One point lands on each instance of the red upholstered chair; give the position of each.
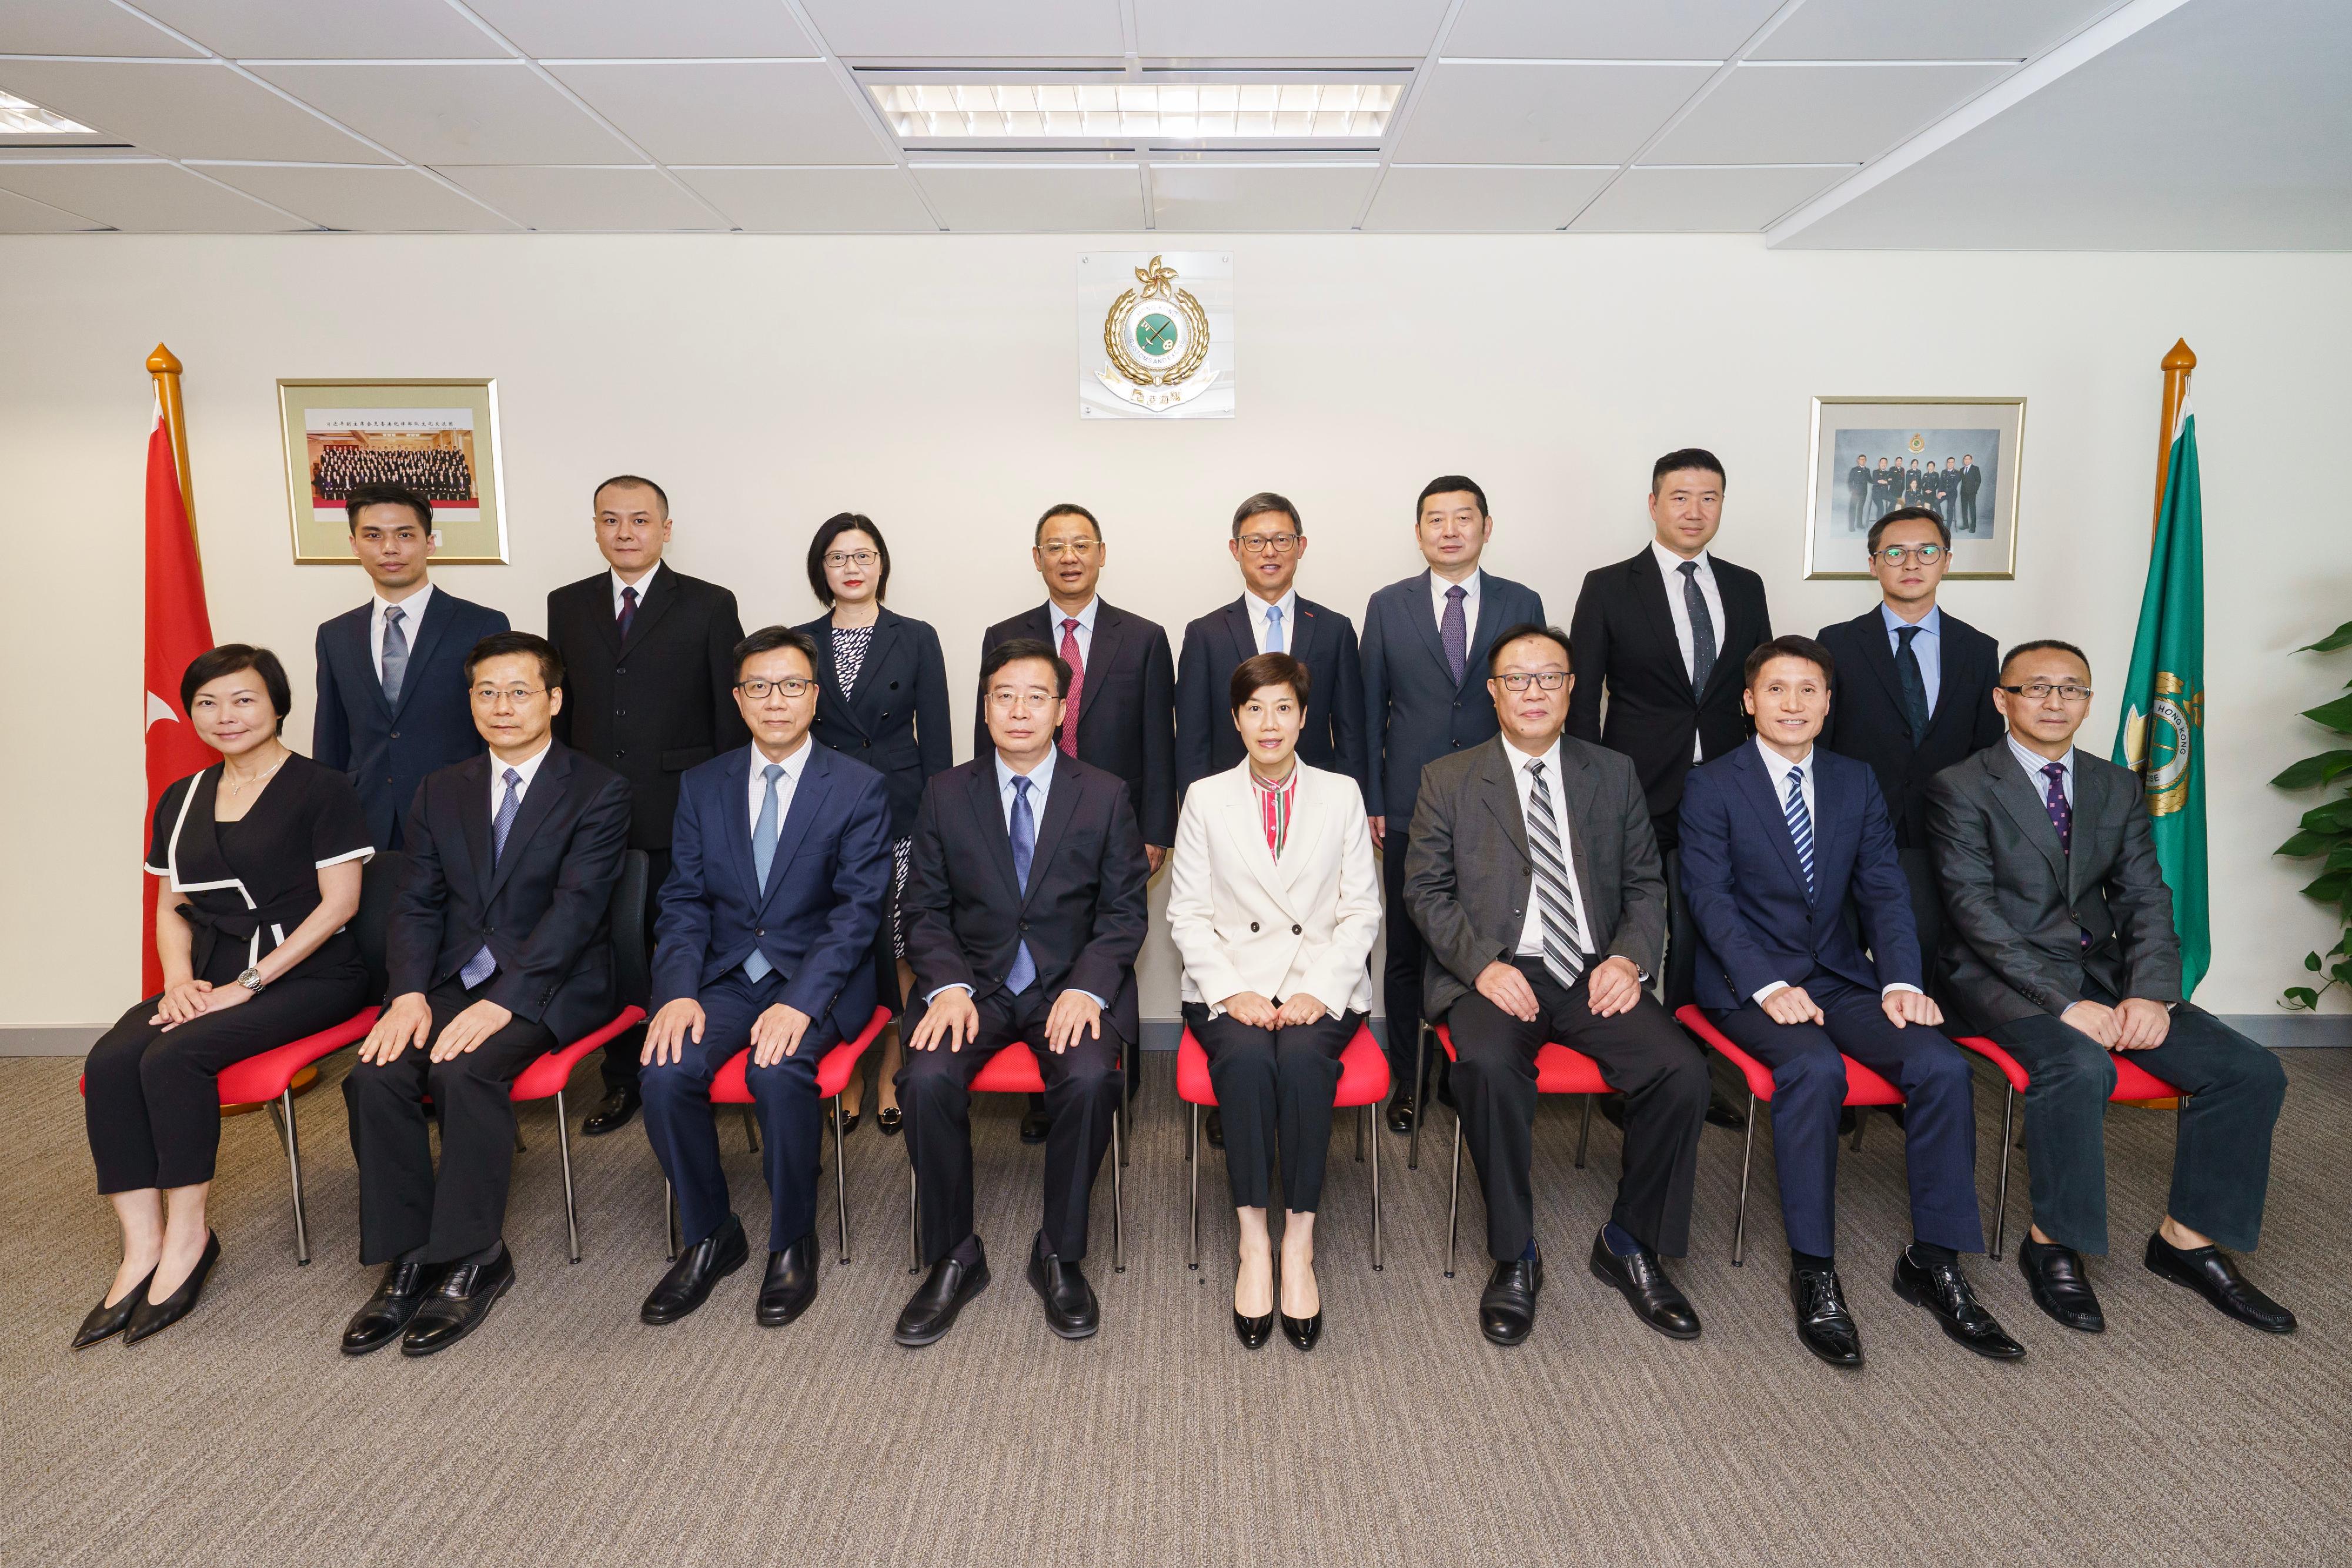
(1558, 1071)
(1864, 1089)
(2133, 1081)
(1363, 1084)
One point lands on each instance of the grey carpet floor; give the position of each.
(565, 1431)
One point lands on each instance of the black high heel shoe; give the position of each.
(1254, 1331)
(153, 1317)
(1303, 1332)
(105, 1322)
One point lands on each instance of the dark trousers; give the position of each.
(151, 1099)
(1968, 519)
(1081, 1089)
(1856, 500)
(1274, 1088)
(1939, 1121)
(1642, 1054)
(404, 1208)
(684, 1131)
(1682, 936)
(1401, 971)
(2221, 1159)
(621, 1052)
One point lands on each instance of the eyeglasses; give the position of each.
(487, 697)
(1258, 544)
(1011, 698)
(793, 688)
(839, 559)
(1081, 548)
(2037, 691)
(1550, 680)
(1903, 555)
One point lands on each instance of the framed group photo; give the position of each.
(440, 438)
(1960, 457)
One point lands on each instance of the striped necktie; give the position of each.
(1563, 934)
(1800, 827)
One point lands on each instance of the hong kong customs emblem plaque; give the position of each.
(1156, 336)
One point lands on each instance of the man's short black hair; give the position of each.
(635, 481)
(1524, 628)
(1448, 485)
(1682, 457)
(768, 639)
(1264, 504)
(365, 495)
(2041, 645)
(1788, 646)
(497, 644)
(1909, 515)
(1262, 670)
(1015, 649)
(228, 660)
(1065, 510)
(831, 528)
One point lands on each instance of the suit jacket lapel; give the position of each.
(1247, 830)
(1650, 592)
(438, 613)
(1310, 820)
(1241, 637)
(1577, 785)
(653, 603)
(1957, 676)
(877, 653)
(1417, 610)
(1061, 803)
(1501, 794)
(808, 799)
(363, 661)
(1766, 803)
(735, 821)
(988, 822)
(2091, 807)
(1881, 658)
(599, 600)
(1737, 632)
(1301, 637)
(1110, 627)
(2017, 798)
(474, 820)
(537, 802)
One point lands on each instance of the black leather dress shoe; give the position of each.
(791, 1284)
(456, 1307)
(153, 1317)
(397, 1296)
(931, 1311)
(1507, 1308)
(1070, 1307)
(1945, 1292)
(1400, 1114)
(105, 1322)
(1642, 1279)
(1254, 1331)
(1824, 1326)
(2210, 1272)
(698, 1267)
(614, 1115)
(1722, 1113)
(2055, 1275)
(1213, 1128)
(1036, 1123)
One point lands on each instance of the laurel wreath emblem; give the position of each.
(1157, 281)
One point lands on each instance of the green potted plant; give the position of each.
(2325, 832)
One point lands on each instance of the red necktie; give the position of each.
(1078, 684)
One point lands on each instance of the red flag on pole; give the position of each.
(178, 629)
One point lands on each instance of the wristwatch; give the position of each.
(251, 979)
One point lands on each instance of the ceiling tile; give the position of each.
(196, 109)
(364, 200)
(814, 201)
(1606, 29)
(1818, 114)
(23, 216)
(84, 27)
(1927, 29)
(143, 197)
(1453, 199)
(588, 201)
(1293, 29)
(1290, 198)
(737, 112)
(499, 112)
(1542, 113)
(1035, 198)
(960, 30)
(305, 29)
(1704, 201)
(633, 30)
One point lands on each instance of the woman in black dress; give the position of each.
(259, 859)
(882, 698)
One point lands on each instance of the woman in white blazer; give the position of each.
(1274, 901)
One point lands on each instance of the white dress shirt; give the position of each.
(643, 585)
(1671, 565)
(412, 616)
(2033, 762)
(1523, 778)
(1056, 615)
(1778, 768)
(527, 770)
(793, 766)
(1041, 784)
(1259, 610)
(1927, 647)
(1469, 587)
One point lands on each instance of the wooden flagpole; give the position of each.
(2176, 365)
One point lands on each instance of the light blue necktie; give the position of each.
(1024, 847)
(395, 654)
(1800, 828)
(477, 968)
(1274, 629)
(763, 855)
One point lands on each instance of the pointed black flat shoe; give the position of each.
(1303, 1332)
(889, 1119)
(153, 1317)
(104, 1321)
(1254, 1331)
(849, 1122)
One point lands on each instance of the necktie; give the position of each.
(1800, 827)
(1563, 934)
(1702, 628)
(1454, 633)
(2062, 815)
(763, 856)
(1274, 628)
(1024, 847)
(477, 968)
(628, 616)
(1077, 687)
(395, 653)
(1914, 684)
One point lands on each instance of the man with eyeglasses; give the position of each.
(2059, 944)
(1915, 695)
(498, 949)
(780, 857)
(648, 659)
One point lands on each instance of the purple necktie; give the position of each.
(628, 612)
(1453, 635)
(2062, 815)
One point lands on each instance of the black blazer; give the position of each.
(386, 751)
(1414, 710)
(1088, 904)
(656, 707)
(1217, 644)
(1866, 720)
(1126, 710)
(895, 720)
(1622, 642)
(541, 907)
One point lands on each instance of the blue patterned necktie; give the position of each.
(1454, 632)
(1274, 629)
(395, 654)
(1914, 684)
(1025, 848)
(763, 856)
(477, 968)
(1800, 827)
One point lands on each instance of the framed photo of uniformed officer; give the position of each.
(1960, 457)
(439, 438)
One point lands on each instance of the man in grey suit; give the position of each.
(1534, 877)
(2059, 944)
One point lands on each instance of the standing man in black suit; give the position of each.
(392, 676)
(1121, 713)
(1971, 481)
(649, 655)
(1857, 489)
(1915, 695)
(1425, 645)
(1947, 490)
(1882, 491)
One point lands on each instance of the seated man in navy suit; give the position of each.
(1777, 838)
(779, 857)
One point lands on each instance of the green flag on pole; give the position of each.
(2162, 737)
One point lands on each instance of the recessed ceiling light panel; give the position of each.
(1094, 112)
(18, 118)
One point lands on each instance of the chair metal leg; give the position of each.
(1118, 1201)
(1746, 1159)
(294, 1173)
(669, 1219)
(1420, 1066)
(1583, 1132)
(1861, 1120)
(2000, 1196)
(840, 1180)
(914, 1223)
(1192, 1148)
(571, 1205)
(1454, 1202)
(750, 1129)
(1359, 1140)
(1363, 1126)
(1122, 1123)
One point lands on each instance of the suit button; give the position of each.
(1024, 925)
(1294, 931)
(865, 745)
(616, 756)
(620, 669)
(490, 930)
(761, 932)
(1253, 924)
(396, 735)
(620, 713)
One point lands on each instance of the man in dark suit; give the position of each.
(392, 677)
(499, 950)
(648, 659)
(1535, 881)
(1425, 645)
(1947, 490)
(1917, 696)
(1121, 716)
(1971, 481)
(1857, 490)
(1915, 493)
(1782, 842)
(782, 857)
(2060, 944)
(1027, 909)
(1882, 490)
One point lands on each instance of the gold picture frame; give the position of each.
(440, 437)
(1980, 511)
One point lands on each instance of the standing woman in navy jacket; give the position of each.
(881, 699)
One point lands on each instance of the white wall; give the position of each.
(769, 382)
